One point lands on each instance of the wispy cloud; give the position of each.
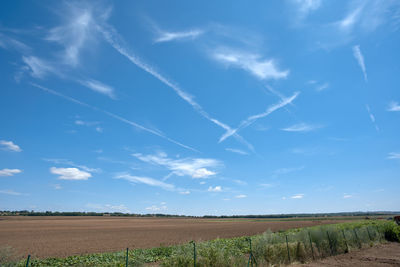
(157, 208)
(9, 146)
(393, 106)
(264, 69)
(250, 120)
(6, 42)
(108, 208)
(165, 36)
(70, 163)
(99, 87)
(297, 196)
(306, 6)
(347, 196)
(147, 181)
(394, 155)
(11, 192)
(112, 115)
(237, 151)
(282, 171)
(322, 87)
(94, 124)
(116, 41)
(241, 196)
(348, 22)
(76, 30)
(39, 68)
(194, 167)
(70, 173)
(302, 127)
(9, 172)
(372, 117)
(217, 188)
(360, 59)
(186, 192)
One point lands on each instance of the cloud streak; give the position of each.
(165, 36)
(146, 180)
(194, 167)
(9, 172)
(372, 118)
(360, 59)
(9, 146)
(250, 120)
(99, 88)
(393, 106)
(301, 127)
(263, 69)
(110, 114)
(70, 173)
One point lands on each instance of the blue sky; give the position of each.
(200, 108)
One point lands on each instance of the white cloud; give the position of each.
(372, 118)
(348, 22)
(38, 68)
(112, 115)
(187, 192)
(202, 182)
(7, 42)
(394, 155)
(108, 208)
(322, 87)
(10, 146)
(57, 186)
(99, 87)
(250, 120)
(70, 163)
(307, 6)
(347, 196)
(264, 69)
(240, 182)
(9, 172)
(241, 196)
(237, 151)
(70, 173)
(393, 106)
(77, 30)
(194, 167)
(215, 189)
(146, 180)
(266, 185)
(301, 127)
(157, 208)
(360, 59)
(10, 192)
(297, 196)
(283, 171)
(165, 36)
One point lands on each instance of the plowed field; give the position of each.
(64, 236)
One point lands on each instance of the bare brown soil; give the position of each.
(381, 255)
(65, 236)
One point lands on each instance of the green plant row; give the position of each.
(303, 245)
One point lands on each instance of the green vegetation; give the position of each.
(303, 245)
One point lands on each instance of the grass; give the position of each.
(269, 248)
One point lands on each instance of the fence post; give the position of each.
(27, 260)
(369, 235)
(345, 242)
(330, 243)
(251, 256)
(312, 249)
(127, 257)
(358, 240)
(194, 253)
(287, 246)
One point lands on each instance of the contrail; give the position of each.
(112, 115)
(114, 39)
(250, 120)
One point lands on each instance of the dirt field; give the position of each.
(382, 255)
(65, 236)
